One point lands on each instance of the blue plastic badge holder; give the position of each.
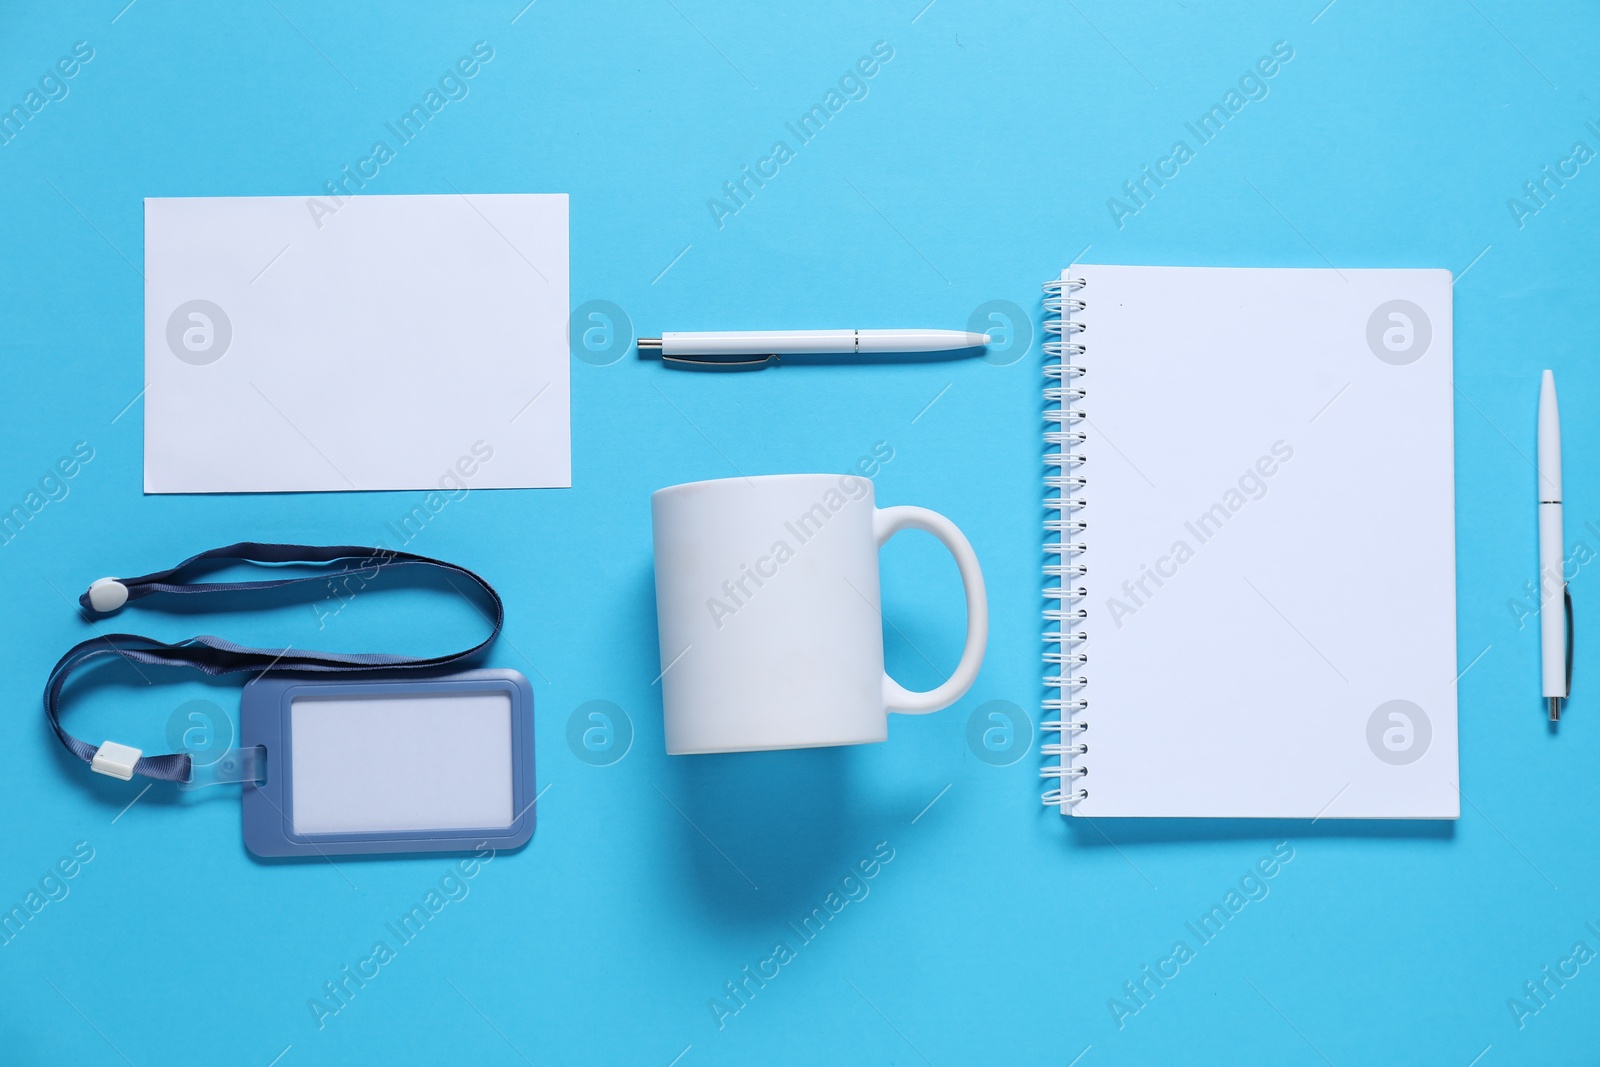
(383, 763)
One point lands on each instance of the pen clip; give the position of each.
(700, 361)
(1566, 595)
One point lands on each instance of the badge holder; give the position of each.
(341, 753)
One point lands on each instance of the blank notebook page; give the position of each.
(1270, 543)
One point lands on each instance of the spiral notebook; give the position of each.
(1250, 547)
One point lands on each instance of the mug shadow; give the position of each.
(766, 836)
(758, 838)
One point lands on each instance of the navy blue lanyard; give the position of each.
(213, 655)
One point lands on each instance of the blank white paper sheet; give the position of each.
(293, 344)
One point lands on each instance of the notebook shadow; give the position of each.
(1114, 832)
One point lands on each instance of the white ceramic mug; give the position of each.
(768, 603)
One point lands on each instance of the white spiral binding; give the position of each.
(1064, 657)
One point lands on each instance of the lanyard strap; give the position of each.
(213, 655)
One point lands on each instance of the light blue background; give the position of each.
(979, 164)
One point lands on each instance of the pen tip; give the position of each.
(977, 340)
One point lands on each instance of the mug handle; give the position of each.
(886, 522)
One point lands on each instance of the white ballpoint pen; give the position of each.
(1555, 605)
(694, 347)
